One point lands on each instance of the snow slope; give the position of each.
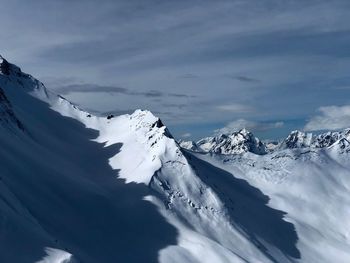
(312, 186)
(80, 188)
(59, 192)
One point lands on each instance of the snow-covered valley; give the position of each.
(75, 187)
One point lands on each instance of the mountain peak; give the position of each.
(233, 143)
(244, 131)
(297, 139)
(7, 68)
(4, 66)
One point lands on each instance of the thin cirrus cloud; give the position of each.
(94, 88)
(330, 118)
(242, 78)
(235, 108)
(246, 79)
(63, 90)
(249, 125)
(188, 76)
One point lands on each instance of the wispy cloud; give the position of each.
(151, 93)
(95, 88)
(186, 135)
(242, 78)
(235, 107)
(330, 118)
(246, 79)
(188, 76)
(89, 88)
(181, 95)
(175, 105)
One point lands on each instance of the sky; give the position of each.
(202, 66)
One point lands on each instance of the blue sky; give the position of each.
(202, 66)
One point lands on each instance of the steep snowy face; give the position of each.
(145, 140)
(234, 143)
(341, 146)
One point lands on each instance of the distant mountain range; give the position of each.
(244, 141)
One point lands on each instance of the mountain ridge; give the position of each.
(223, 144)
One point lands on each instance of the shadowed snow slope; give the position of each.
(75, 187)
(59, 191)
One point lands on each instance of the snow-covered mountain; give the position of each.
(297, 139)
(244, 141)
(75, 187)
(234, 143)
